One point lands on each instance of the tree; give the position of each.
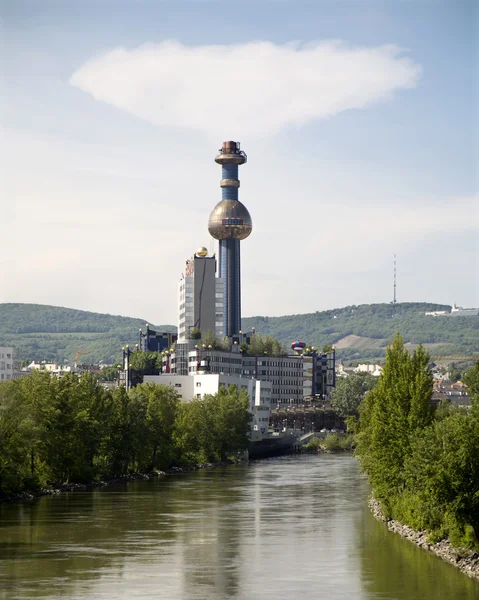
(349, 393)
(214, 427)
(144, 363)
(442, 475)
(471, 379)
(231, 418)
(398, 407)
(162, 404)
(260, 345)
(15, 439)
(110, 373)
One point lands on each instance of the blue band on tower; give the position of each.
(229, 172)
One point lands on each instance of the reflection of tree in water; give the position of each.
(57, 544)
(211, 535)
(397, 569)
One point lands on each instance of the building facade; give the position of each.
(294, 379)
(6, 363)
(200, 297)
(156, 341)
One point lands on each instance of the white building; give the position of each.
(459, 311)
(374, 370)
(6, 363)
(200, 297)
(52, 368)
(198, 385)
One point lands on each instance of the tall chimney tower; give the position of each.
(230, 222)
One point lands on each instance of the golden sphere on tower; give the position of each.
(202, 251)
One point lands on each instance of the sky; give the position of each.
(359, 119)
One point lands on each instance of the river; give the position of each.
(278, 529)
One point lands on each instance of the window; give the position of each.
(198, 384)
(198, 395)
(177, 384)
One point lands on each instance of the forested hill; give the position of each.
(40, 332)
(361, 332)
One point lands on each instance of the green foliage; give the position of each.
(74, 430)
(145, 363)
(349, 393)
(260, 345)
(110, 373)
(214, 427)
(39, 332)
(423, 467)
(376, 323)
(194, 334)
(471, 379)
(314, 444)
(332, 443)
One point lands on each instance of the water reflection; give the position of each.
(397, 569)
(280, 529)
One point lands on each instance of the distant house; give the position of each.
(52, 368)
(455, 392)
(374, 370)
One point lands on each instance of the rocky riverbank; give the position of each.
(465, 560)
(78, 487)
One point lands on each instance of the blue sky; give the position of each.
(113, 112)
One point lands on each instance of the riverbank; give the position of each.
(79, 487)
(466, 561)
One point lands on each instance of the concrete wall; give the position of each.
(205, 294)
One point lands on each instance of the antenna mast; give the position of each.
(394, 297)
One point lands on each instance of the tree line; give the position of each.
(422, 461)
(74, 430)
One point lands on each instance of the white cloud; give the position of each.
(251, 89)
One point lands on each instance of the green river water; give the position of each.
(279, 529)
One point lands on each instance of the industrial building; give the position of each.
(209, 305)
(230, 222)
(294, 378)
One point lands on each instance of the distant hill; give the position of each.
(359, 332)
(362, 332)
(41, 332)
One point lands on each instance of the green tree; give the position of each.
(110, 373)
(16, 433)
(471, 379)
(126, 433)
(399, 405)
(161, 404)
(231, 418)
(442, 477)
(349, 393)
(145, 363)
